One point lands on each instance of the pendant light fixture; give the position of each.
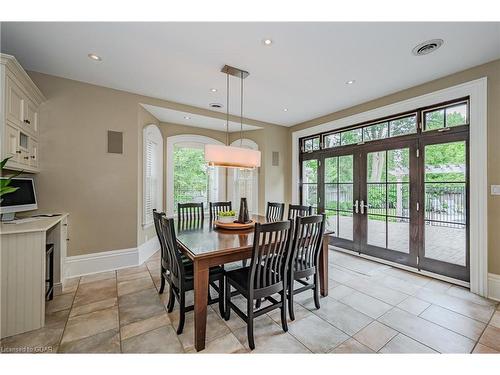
(226, 155)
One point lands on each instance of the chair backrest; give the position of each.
(270, 255)
(174, 264)
(295, 210)
(157, 220)
(307, 241)
(216, 207)
(190, 211)
(275, 211)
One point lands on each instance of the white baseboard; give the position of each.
(494, 286)
(87, 264)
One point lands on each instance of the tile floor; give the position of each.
(371, 308)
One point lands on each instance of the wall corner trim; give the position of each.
(494, 286)
(88, 264)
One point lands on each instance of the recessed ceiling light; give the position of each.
(285, 109)
(350, 82)
(187, 118)
(213, 90)
(267, 42)
(94, 57)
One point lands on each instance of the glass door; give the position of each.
(387, 222)
(444, 218)
(309, 186)
(339, 188)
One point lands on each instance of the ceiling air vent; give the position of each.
(427, 47)
(215, 105)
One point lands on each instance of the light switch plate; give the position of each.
(495, 189)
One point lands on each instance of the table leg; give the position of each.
(201, 274)
(323, 267)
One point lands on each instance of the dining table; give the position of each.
(208, 246)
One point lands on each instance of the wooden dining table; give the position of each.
(208, 246)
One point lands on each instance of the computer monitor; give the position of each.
(23, 199)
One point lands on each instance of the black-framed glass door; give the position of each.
(386, 204)
(396, 188)
(339, 188)
(444, 217)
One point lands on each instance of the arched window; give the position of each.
(152, 172)
(244, 182)
(189, 179)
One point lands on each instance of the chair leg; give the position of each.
(290, 301)
(316, 290)
(162, 285)
(284, 323)
(182, 312)
(258, 303)
(221, 296)
(171, 300)
(251, 342)
(227, 300)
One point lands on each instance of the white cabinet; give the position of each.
(11, 140)
(19, 120)
(33, 153)
(15, 103)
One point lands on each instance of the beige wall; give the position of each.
(78, 175)
(101, 191)
(490, 70)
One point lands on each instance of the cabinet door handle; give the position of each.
(27, 122)
(26, 157)
(18, 152)
(33, 156)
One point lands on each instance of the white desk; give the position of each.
(22, 271)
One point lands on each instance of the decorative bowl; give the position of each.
(226, 219)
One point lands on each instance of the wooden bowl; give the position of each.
(234, 226)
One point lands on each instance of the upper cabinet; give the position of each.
(20, 100)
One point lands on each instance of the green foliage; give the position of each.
(190, 175)
(5, 182)
(227, 213)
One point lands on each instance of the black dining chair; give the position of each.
(304, 261)
(190, 212)
(265, 276)
(178, 272)
(295, 210)
(216, 207)
(275, 211)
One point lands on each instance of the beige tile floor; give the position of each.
(370, 308)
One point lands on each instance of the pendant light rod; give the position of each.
(241, 111)
(227, 107)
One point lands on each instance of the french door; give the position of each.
(404, 201)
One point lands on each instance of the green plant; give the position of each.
(227, 213)
(5, 182)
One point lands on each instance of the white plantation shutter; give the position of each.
(153, 165)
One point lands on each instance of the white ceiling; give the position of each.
(304, 70)
(197, 121)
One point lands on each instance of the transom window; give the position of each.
(438, 118)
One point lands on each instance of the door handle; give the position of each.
(363, 206)
(356, 206)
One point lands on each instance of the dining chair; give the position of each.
(216, 207)
(304, 261)
(295, 210)
(265, 276)
(190, 211)
(275, 211)
(178, 272)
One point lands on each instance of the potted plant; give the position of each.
(226, 217)
(5, 182)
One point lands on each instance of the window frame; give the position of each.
(151, 133)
